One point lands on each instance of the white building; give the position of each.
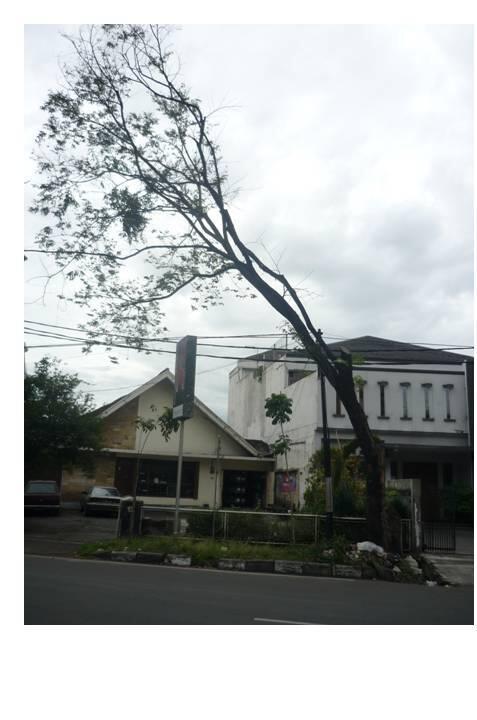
(417, 400)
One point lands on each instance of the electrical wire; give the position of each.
(262, 360)
(172, 340)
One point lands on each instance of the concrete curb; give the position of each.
(279, 567)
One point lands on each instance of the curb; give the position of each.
(279, 567)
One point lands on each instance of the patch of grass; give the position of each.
(206, 552)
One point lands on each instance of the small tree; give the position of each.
(166, 424)
(278, 407)
(59, 425)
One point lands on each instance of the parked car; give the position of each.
(42, 495)
(98, 500)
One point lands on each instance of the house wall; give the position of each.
(207, 480)
(249, 388)
(118, 430)
(75, 480)
(200, 433)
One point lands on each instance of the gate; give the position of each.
(438, 537)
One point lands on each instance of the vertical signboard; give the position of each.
(185, 378)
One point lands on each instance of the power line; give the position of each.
(149, 350)
(437, 346)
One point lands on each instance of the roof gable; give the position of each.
(167, 376)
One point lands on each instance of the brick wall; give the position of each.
(119, 430)
(75, 481)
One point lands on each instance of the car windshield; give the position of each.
(41, 487)
(104, 492)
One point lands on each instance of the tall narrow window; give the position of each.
(360, 391)
(338, 410)
(427, 387)
(447, 390)
(405, 387)
(382, 400)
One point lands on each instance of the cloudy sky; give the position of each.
(352, 146)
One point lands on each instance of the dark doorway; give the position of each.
(427, 472)
(243, 489)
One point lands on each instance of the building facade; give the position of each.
(418, 401)
(221, 469)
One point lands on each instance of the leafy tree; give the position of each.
(278, 407)
(348, 483)
(127, 148)
(59, 425)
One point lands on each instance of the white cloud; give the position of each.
(353, 149)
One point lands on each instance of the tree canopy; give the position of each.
(58, 420)
(131, 173)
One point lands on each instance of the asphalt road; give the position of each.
(64, 534)
(60, 591)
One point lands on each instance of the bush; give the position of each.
(349, 487)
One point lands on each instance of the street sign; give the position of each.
(186, 349)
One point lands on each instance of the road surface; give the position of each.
(60, 591)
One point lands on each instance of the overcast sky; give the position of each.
(352, 146)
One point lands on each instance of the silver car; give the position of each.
(99, 500)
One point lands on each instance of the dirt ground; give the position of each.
(63, 534)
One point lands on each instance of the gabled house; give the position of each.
(221, 468)
(418, 401)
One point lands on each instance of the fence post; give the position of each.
(316, 529)
(225, 525)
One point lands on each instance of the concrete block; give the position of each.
(346, 571)
(179, 560)
(260, 565)
(150, 557)
(289, 567)
(123, 556)
(231, 564)
(317, 569)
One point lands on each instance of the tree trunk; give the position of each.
(339, 374)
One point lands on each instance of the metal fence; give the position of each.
(250, 526)
(438, 537)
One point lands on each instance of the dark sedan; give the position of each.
(42, 496)
(98, 500)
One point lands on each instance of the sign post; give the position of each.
(183, 407)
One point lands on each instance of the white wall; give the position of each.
(247, 394)
(200, 433)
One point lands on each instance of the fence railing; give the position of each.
(438, 537)
(280, 528)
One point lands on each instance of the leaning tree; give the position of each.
(131, 175)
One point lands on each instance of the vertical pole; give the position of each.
(179, 478)
(217, 460)
(326, 461)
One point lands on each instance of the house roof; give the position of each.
(374, 349)
(167, 376)
(393, 351)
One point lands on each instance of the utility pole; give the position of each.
(326, 460)
(217, 461)
(179, 478)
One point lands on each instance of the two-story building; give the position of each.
(419, 401)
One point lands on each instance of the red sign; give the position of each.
(185, 377)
